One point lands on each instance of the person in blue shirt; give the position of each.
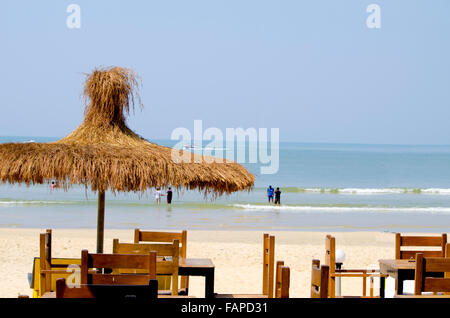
(270, 193)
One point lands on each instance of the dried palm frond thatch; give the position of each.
(104, 154)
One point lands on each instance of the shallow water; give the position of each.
(324, 187)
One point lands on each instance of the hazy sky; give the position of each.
(311, 68)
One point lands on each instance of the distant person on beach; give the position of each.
(169, 195)
(54, 185)
(158, 195)
(278, 196)
(270, 193)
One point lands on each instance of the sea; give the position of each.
(324, 187)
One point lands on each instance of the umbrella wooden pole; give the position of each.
(100, 221)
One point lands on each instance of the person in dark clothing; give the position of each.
(169, 196)
(277, 196)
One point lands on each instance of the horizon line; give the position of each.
(284, 141)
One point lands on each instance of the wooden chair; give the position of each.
(46, 269)
(426, 272)
(282, 280)
(117, 261)
(108, 292)
(45, 257)
(330, 260)
(167, 261)
(166, 237)
(438, 242)
(268, 272)
(319, 279)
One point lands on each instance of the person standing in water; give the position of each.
(158, 196)
(278, 196)
(169, 195)
(270, 193)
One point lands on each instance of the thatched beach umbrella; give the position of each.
(104, 154)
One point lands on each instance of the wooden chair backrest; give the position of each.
(282, 280)
(330, 261)
(164, 265)
(319, 279)
(268, 265)
(108, 292)
(162, 237)
(45, 256)
(165, 237)
(426, 268)
(114, 261)
(419, 241)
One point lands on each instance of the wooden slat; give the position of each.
(330, 260)
(315, 276)
(436, 264)
(148, 290)
(265, 282)
(159, 236)
(132, 248)
(118, 261)
(278, 278)
(418, 276)
(433, 284)
(271, 266)
(412, 254)
(397, 245)
(122, 279)
(319, 280)
(285, 282)
(421, 241)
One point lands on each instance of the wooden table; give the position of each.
(199, 267)
(400, 270)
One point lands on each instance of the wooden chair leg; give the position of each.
(371, 287)
(364, 286)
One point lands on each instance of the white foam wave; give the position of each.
(342, 209)
(369, 191)
(31, 202)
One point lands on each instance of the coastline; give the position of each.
(236, 255)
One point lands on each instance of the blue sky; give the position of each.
(311, 68)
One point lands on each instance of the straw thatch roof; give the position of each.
(103, 153)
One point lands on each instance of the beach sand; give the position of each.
(237, 256)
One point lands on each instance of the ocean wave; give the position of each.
(337, 209)
(33, 202)
(368, 191)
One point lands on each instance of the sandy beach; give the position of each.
(237, 256)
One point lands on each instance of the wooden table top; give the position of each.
(398, 263)
(196, 263)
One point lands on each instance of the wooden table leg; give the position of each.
(382, 286)
(209, 283)
(399, 283)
